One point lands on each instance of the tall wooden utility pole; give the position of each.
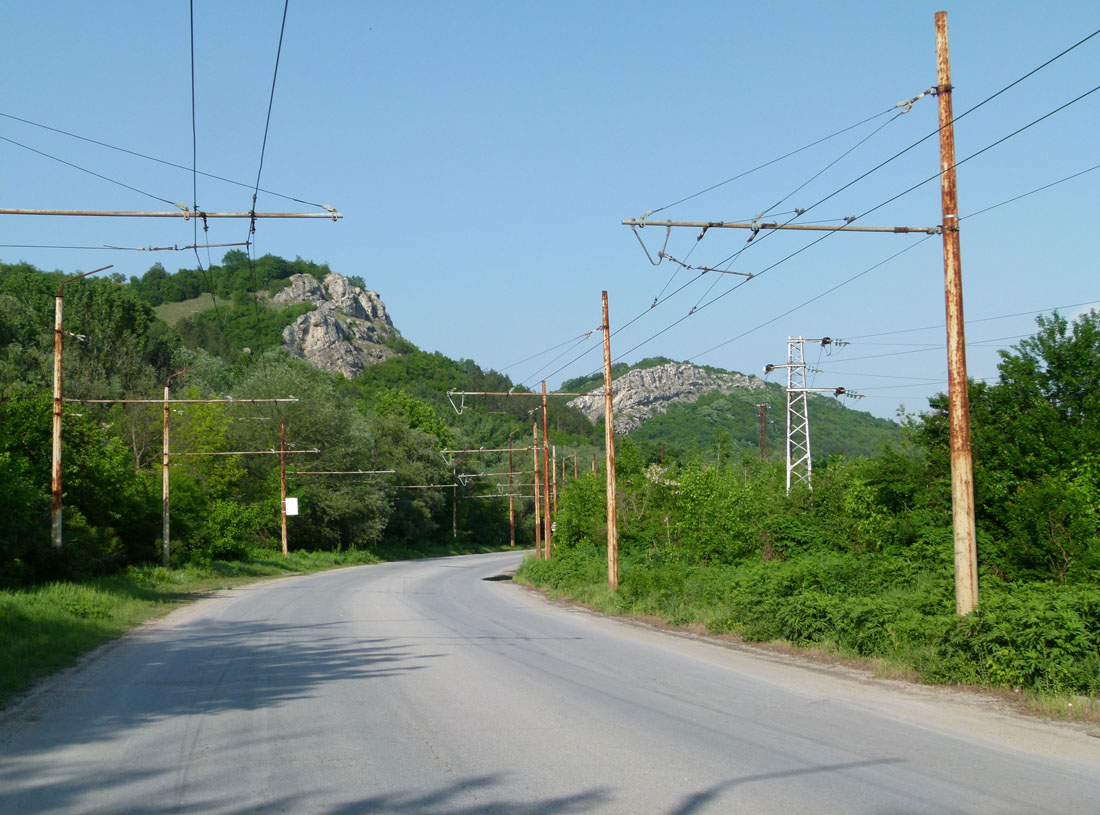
(55, 470)
(538, 512)
(547, 528)
(962, 465)
(609, 445)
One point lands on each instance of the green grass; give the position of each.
(46, 628)
(1037, 644)
(172, 313)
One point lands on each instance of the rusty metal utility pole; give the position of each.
(165, 500)
(609, 444)
(511, 498)
(554, 466)
(762, 413)
(538, 519)
(962, 466)
(282, 475)
(547, 527)
(55, 471)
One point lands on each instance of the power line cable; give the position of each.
(259, 172)
(981, 320)
(157, 160)
(958, 118)
(896, 254)
(841, 189)
(867, 212)
(771, 161)
(194, 189)
(92, 172)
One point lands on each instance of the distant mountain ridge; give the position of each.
(710, 412)
(646, 392)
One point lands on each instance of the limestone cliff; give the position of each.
(346, 332)
(640, 394)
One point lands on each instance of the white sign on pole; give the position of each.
(291, 506)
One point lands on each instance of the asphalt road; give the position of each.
(425, 687)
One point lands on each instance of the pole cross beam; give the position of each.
(757, 227)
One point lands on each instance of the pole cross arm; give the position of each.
(757, 227)
(186, 214)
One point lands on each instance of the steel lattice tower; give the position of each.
(799, 462)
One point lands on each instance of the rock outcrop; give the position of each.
(640, 394)
(346, 332)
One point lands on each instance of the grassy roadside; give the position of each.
(46, 628)
(713, 602)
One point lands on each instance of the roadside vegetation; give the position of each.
(863, 564)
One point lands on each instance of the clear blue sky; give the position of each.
(484, 154)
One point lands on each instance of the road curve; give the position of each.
(426, 687)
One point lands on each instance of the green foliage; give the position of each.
(235, 275)
(417, 412)
(1034, 435)
(229, 531)
(246, 324)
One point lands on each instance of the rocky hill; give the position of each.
(347, 330)
(643, 393)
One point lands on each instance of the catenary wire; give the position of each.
(836, 192)
(157, 160)
(897, 254)
(194, 188)
(259, 172)
(867, 212)
(772, 161)
(92, 172)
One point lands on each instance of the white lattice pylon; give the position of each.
(799, 462)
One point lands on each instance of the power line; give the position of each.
(938, 129)
(895, 255)
(1002, 140)
(981, 320)
(194, 189)
(93, 173)
(157, 160)
(770, 162)
(546, 351)
(698, 307)
(259, 171)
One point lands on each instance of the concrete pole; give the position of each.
(511, 499)
(55, 472)
(55, 466)
(962, 466)
(546, 530)
(538, 519)
(282, 481)
(609, 444)
(165, 548)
